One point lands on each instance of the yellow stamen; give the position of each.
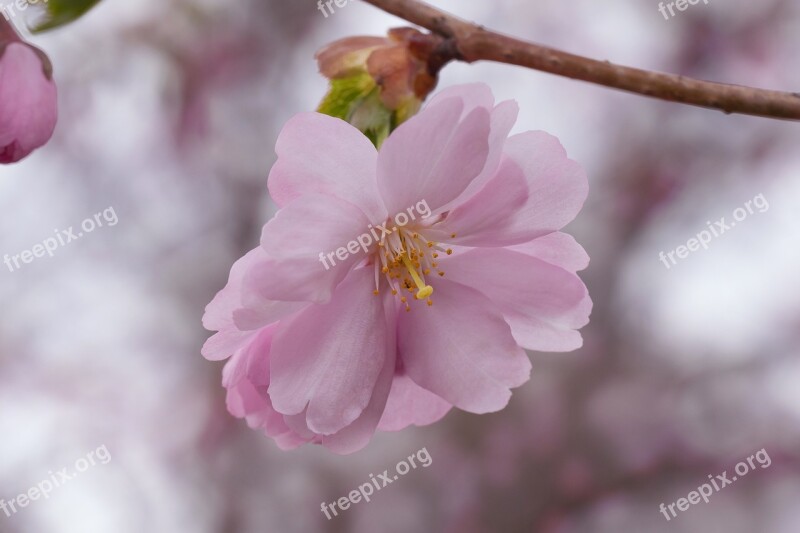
(424, 290)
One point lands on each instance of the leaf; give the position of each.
(61, 12)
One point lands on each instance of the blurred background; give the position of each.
(169, 114)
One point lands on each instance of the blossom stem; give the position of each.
(470, 42)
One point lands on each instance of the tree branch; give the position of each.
(469, 42)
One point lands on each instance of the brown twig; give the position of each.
(469, 42)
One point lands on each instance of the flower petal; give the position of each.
(411, 404)
(358, 434)
(543, 303)
(487, 219)
(228, 303)
(219, 312)
(433, 157)
(503, 117)
(461, 349)
(347, 56)
(329, 356)
(325, 155)
(556, 190)
(472, 95)
(557, 185)
(246, 377)
(301, 241)
(259, 312)
(223, 344)
(28, 102)
(556, 248)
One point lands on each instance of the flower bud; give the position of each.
(377, 82)
(28, 103)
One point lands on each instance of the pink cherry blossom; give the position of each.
(438, 313)
(28, 107)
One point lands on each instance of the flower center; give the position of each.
(405, 257)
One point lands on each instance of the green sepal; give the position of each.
(345, 94)
(357, 99)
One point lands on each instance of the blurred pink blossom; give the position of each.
(436, 312)
(28, 104)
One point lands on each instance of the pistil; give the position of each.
(423, 290)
